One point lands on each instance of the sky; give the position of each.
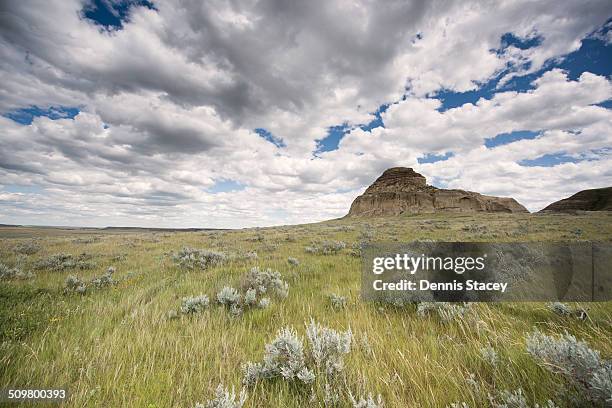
(230, 114)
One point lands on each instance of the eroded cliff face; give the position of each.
(401, 190)
(597, 199)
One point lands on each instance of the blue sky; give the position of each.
(120, 112)
(111, 15)
(24, 116)
(594, 56)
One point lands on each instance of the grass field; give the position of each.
(118, 347)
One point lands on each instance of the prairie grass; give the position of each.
(117, 347)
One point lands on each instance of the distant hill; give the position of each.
(94, 229)
(401, 190)
(596, 199)
(161, 229)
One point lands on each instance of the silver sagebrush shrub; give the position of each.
(311, 249)
(27, 248)
(194, 304)
(250, 297)
(250, 256)
(355, 249)
(225, 399)
(105, 280)
(266, 281)
(337, 301)
(332, 247)
(489, 355)
(57, 262)
(256, 283)
(331, 396)
(293, 261)
(445, 310)
(228, 296)
(600, 383)
(284, 358)
(7, 273)
(74, 284)
(516, 399)
(576, 361)
(325, 248)
(565, 310)
(368, 402)
(235, 310)
(560, 308)
(190, 258)
(328, 347)
(63, 261)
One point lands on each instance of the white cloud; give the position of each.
(169, 104)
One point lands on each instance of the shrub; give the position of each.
(63, 261)
(190, 258)
(27, 248)
(328, 347)
(446, 311)
(228, 296)
(565, 310)
(250, 297)
(284, 357)
(516, 399)
(256, 283)
(489, 355)
(267, 281)
(57, 262)
(366, 234)
(560, 308)
(250, 256)
(7, 273)
(601, 383)
(256, 238)
(73, 284)
(332, 247)
(225, 399)
(337, 301)
(236, 310)
(331, 396)
(355, 249)
(293, 261)
(365, 345)
(368, 402)
(119, 258)
(105, 280)
(86, 240)
(580, 365)
(82, 265)
(311, 250)
(194, 304)
(325, 248)
(263, 303)
(269, 247)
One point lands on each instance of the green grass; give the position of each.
(115, 347)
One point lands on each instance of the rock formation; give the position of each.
(401, 190)
(597, 199)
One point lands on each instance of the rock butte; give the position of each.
(401, 190)
(597, 199)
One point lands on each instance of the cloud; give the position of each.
(170, 102)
